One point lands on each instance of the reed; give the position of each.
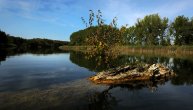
(164, 51)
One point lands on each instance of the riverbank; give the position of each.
(162, 51)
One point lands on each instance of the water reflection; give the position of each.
(5, 53)
(102, 101)
(184, 70)
(21, 71)
(182, 67)
(84, 95)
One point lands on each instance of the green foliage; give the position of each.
(182, 29)
(151, 30)
(79, 37)
(3, 38)
(129, 35)
(103, 37)
(18, 42)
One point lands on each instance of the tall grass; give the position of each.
(167, 51)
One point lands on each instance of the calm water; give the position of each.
(59, 81)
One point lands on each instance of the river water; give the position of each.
(59, 80)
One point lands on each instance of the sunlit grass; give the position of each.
(166, 51)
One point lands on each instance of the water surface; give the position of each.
(59, 81)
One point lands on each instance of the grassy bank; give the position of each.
(166, 51)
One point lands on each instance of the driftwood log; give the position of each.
(127, 74)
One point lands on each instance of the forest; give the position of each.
(7, 41)
(152, 30)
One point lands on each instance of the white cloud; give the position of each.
(45, 11)
(19, 5)
(127, 11)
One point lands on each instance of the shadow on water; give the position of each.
(106, 101)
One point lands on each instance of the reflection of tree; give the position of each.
(101, 101)
(4, 53)
(184, 70)
(182, 67)
(81, 60)
(98, 63)
(2, 56)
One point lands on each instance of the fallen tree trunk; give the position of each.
(128, 74)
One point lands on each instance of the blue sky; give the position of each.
(57, 19)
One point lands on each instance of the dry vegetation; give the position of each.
(166, 51)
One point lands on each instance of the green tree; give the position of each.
(129, 36)
(151, 30)
(3, 38)
(139, 32)
(182, 30)
(80, 37)
(105, 37)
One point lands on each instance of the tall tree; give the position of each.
(105, 36)
(129, 36)
(3, 38)
(182, 30)
(151, 29)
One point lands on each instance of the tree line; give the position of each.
(7, 41)
(151, 30)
